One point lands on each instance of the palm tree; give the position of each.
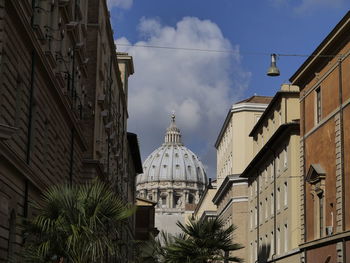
(203, 241)
(78, 224)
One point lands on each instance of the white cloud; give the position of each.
(125, 4)
(199, 86)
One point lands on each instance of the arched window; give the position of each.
(190, 199)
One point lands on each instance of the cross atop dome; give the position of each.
(173, 134)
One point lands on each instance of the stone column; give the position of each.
(196, 199)
(155, 195)
(186, 196)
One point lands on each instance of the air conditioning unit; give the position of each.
(329, 230)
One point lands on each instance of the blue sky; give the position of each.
(201, 86)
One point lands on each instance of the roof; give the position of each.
(270, 107)
(279, 133)
(135, 151)
(257, 99)
(328, 47)
(144, 202)
(247, 105)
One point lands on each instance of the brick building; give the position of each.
(63, 107)
(324, 81)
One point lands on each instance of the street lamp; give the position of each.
(273, 71)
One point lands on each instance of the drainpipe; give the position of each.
(258, 213)
(342, 137)
(109, 113)
(342, 150)
(304, 185)
(29, 131)
(30, 115)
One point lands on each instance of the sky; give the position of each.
(218, 53)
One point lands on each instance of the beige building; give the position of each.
(234, 152)
(274, 182)
(205, 208)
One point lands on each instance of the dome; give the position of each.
(172, 162)
(174, 178)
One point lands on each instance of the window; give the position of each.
(255, 250)
(163, 200)
(272, 242)
(277, 161)
(272, 204)
(255, 186)
(255, 216)
(285, 157)
(285, 194)
(278, 245)
(316, 178)
(285, 238)
(278, 197)
(260, 181)
(318, 105)
(251, 219)
(280, 118)
(272, 172)
(260, 210)
(320, 202)
(251, 252)
(190, 199)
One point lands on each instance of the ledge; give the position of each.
(325, 240)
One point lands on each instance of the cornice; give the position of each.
(239, 107)
(226, 184)
(331, 43)
(21, 166)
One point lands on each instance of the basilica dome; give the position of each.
(173, 161)
(174, 177)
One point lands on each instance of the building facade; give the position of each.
(173, 177)
(63, 108)
(234, 152)
(145, 215)
(274, 180)
(206, 209)
(325, 148)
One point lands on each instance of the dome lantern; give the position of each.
(173, 134)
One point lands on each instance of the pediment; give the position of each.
(315, 174)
